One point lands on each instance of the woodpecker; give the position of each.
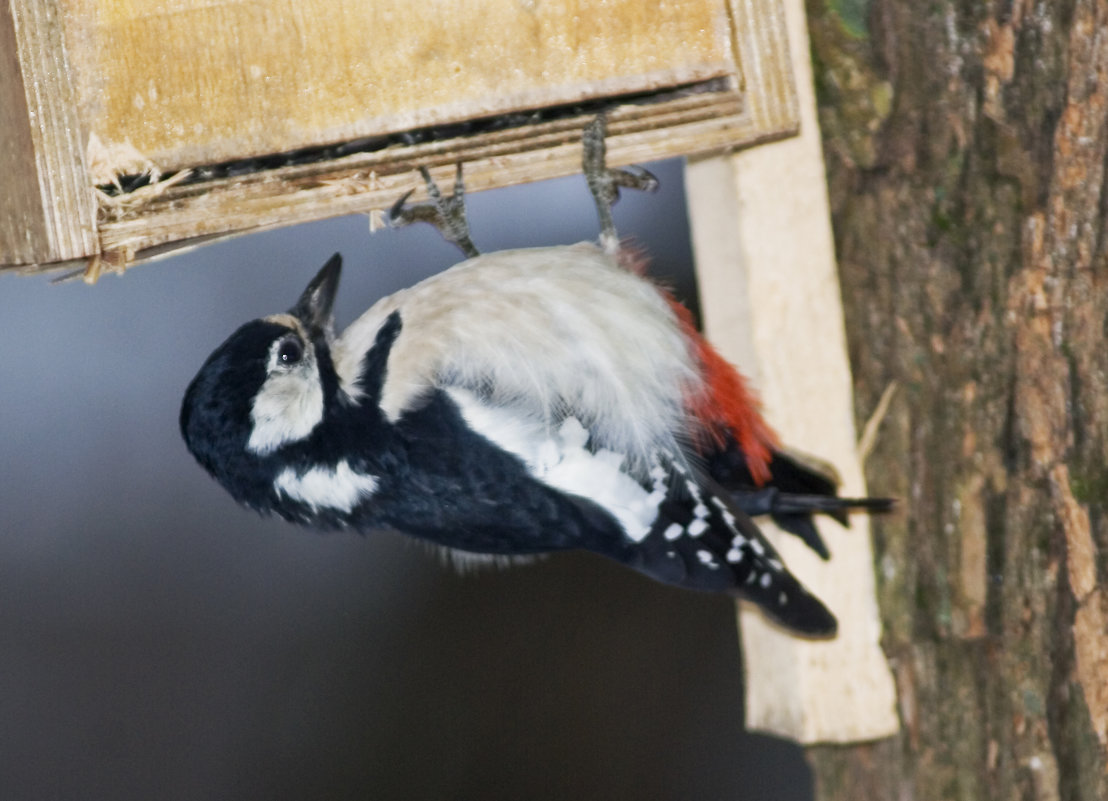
(521, 402)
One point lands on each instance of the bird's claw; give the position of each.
(635, 177)
(605, 182)
(447, 214)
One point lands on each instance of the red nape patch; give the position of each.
(727, 405)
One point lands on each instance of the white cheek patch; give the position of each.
(341, 488)
(562, 460)
(287, 407)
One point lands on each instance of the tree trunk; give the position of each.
(966, 154)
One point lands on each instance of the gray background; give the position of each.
(158, 642)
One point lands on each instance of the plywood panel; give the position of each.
(47, 209)
(194, 81)
(249, 115)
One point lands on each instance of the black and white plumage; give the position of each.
(521, 402)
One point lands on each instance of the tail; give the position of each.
(771, 501)
(703, 540)
(797, 490)
(768, 583)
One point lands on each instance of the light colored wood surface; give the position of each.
(173, 85)
(191, 82)
(47, 209)
(770, 295)
(370, 182)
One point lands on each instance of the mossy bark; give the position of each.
(966, 153)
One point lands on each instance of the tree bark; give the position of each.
(966, 154)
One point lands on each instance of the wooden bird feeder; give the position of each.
(133, 129)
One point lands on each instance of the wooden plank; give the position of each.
(770, 297)
(761, 47)
(250, 119)
(22, 220)
(193, 82)
(697, 124)
(47, 210)
(364, 183)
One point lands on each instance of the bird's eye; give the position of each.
(290, 351)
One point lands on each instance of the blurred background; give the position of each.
(159, 642)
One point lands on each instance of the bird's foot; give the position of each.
(605, 182)
(447, 214)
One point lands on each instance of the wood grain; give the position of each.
(22, 219)
(197, 82)
(362, 184)
(173, 87)
(47, 210)
(771, 302)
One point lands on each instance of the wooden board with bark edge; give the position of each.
(766, 269)
(753, 101)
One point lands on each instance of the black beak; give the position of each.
(314, 306)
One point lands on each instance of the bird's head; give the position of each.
(264, 388)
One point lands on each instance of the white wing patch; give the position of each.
(561, 460)
(341, 488)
